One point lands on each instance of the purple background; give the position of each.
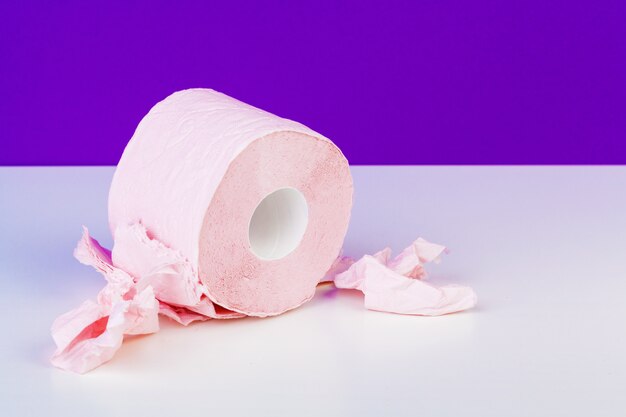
(435, 82)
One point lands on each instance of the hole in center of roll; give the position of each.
(278, 224)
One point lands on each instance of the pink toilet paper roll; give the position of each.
(193, 174)
(221, 210)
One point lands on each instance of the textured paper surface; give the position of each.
(194, 171)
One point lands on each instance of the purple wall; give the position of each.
(422, 82)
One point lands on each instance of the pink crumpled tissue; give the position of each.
(89, 335)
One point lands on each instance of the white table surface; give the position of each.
(544, 247)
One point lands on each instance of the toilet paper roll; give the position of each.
(258, 204)
(220, 210)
